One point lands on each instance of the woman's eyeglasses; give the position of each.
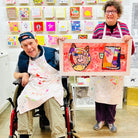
(112, 12)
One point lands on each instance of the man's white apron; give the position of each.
(43, 84)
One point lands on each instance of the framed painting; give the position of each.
(100, 57)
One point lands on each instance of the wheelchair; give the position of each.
(39, 112)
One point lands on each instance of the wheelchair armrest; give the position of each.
(17, 82)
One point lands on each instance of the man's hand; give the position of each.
(25, 79)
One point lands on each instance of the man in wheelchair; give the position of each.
(38, 68)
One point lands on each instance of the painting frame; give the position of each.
(66, 67)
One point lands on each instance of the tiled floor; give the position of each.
(126, 122)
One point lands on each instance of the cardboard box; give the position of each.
(132, 96)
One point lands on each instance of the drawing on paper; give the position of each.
(87, 12)
(79, 57)
(75, 26)
(50, 26)
(14, 26)
(74, 12)
(11, 12)
(12, 40)
(38, 26)
(24, 13)
(95, 57)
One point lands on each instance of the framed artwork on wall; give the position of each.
(51, 26)
(12, 40)
(36, 12)
(38, 26)
(24, 12)
(23, 1)
(26, 26)
(38, 1)
(87, 57)
(10, 1)
(14, 27)
(48, 12)
(12, 12)
(87, 12)
(75, 26)
(41, 39)
(74, 12)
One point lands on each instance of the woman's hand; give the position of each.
(126, 38)
(61, 38)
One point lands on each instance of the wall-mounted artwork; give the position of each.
(24, 12)
(77, 1)
(83, 36)
(92, 1)
(41, 39)
(87, 12)
(52, 39)
(63, 26)
(36, 12)
(51, 26)
(10, 1)
(61, 12)
(12, 40)
(11, 12)
(23, 1)
(51, 1)
(89, 26)
(39, 26)
(63, 1)
(75, 26)
(38, 1)
(74, 12)
(14, 27)
(95, 57)
(48, 12)
(26, 26)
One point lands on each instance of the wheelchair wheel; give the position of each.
(43, 121)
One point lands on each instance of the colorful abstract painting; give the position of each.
(11, 12)
(14, 27)
(95, 57)
(87, 12)
(74, 12)
(10, 1)
(89, 26)
(82, 36)
(50, 26)
(75, 26)
(12, 40)
(52, 39)
(24, 12)
(39, 26)
(38, 1)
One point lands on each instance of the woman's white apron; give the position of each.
(43, 84)
(108, 89)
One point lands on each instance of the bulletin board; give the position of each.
(95, 57)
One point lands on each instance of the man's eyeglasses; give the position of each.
(112, 12)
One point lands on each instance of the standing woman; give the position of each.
(108, 90)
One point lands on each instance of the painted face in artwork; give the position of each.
(79, 57)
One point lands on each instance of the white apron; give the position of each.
(43, 84)
(108, 89)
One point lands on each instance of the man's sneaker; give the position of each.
(112, 127)
(99, 125)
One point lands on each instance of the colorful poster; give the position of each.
(51, 26)
(95, 57)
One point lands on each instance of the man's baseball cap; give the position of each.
(28, 35)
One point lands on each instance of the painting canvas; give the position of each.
(63, 1)
(12, 40)
(60, 12)
(36, 12)
(38, 1)
(41, 39)
(92, 1)
(52, 39)
(24, 12)
(48, 12)
(11, 12)
(75, 26)
(89, 26)
(23, 1)
(95, 57)
(50, 1)
(14, 26)
(77, 1)
(26, 26)
(50, 26)
(10, 1)
(83, 36)
(74, 12)
(87, 12)
(38, 26)
(63, 26)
